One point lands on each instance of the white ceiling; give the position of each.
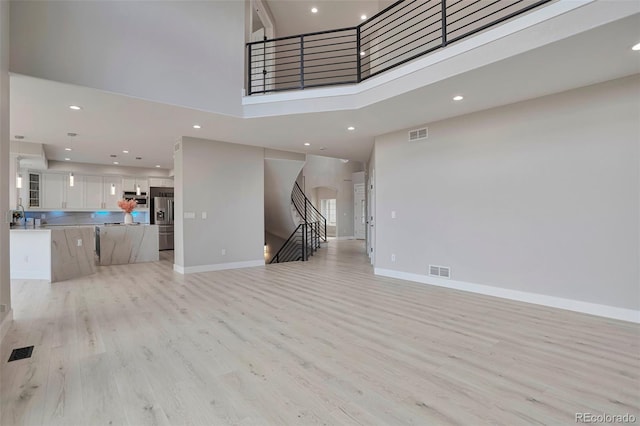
(294, 16)
(110, 123)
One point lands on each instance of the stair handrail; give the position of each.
(276, 258)
(296, 195)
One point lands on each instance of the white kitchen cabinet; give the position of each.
(93, 192)
(162, 182)
(52, 195)
(110, 201)
(74, 196)
(130, 184)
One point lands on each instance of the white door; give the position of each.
(370, 229)
(359, 208)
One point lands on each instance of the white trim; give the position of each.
(350, 237)
(217, 267)
(6, 324)
(31, 274)
(522, 296)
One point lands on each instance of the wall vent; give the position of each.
(418, 134)
(440, 271)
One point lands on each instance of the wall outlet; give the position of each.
(43, 216)
(93, 215)
(393, 214)
(204, 215)
(189, 215)
(79, 242)
(224, 252)
(393, 257)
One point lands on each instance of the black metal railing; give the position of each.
(302, 243)
(308, 212)
(400, 33)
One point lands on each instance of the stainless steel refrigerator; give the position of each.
(163, 217)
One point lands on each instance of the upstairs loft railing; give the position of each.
(400, 33)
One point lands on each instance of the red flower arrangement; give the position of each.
(127, 205)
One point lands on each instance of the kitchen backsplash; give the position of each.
(85, 218)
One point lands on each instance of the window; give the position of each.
(328, 210)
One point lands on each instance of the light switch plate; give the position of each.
(393, 214)
(189, 215)
(204, 215)
(79, 242)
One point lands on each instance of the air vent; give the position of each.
(440, 271)
(21, 353)
(418, 134)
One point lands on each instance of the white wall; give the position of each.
(227, 182)
(333, 173)
(5, 283)
(187, 53)
(540, 196)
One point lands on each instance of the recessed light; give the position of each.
(351, 128)
(75, 107)
(307, 144)
(19, 137)
(113, 156)
(458, 98)
(115, 162)
(72, 134)
(322, 148)
(67, 149)
(636, 46)
(138, 158)
(197, 126)
(157, 165)
(363, 17)
(363, 53)
(67, 159)
(314, 10)
(125, 151)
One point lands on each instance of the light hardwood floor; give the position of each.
(317, 343)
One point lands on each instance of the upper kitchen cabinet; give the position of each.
(162, 182)
(112, 192)
(130, 184)
(93, 192)
(58, 192)
(52, 194)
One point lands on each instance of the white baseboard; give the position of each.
(33, 274)
(522, 296)
(5, 325)
(351, 237)
(217, 267)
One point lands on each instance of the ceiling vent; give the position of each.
(440, 271)
(418, 134)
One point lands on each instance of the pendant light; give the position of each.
(19, 181)
(113, 189)
(138, 190)
(71, 179)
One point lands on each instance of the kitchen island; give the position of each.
(53, 255)
(121, 244)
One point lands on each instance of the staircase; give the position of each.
(309, 234)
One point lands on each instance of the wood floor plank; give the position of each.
(323, 342)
